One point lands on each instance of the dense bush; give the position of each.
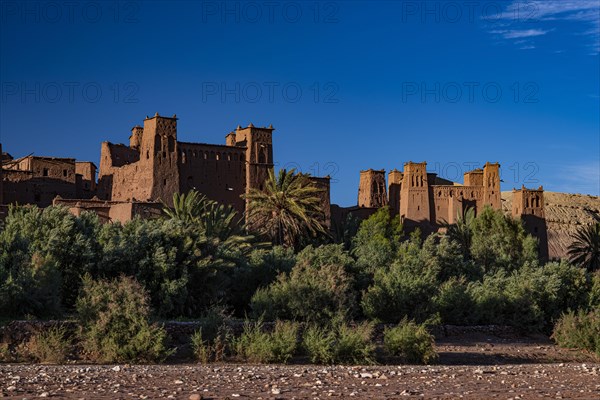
(405, 289)
(500, 242)
(208, 348)
(410, 341)
(318, 288)
(50, 346)
(261, 269)
(579, 330)
(353, 344)
(318, 344)
(483, 270)
(594, 295)
(257, 345)
(114, 322)
(43, 254)
(376, 244)
(339, 343)
(453, 302)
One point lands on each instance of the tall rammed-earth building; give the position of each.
(156, 165)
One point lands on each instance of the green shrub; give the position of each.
(376, 243)
(530, 298)
(201, 348)
(260, 271)
(43, 254)
(318, 287)
(579, 330)
(318, 344)
(506, 299)
(114, 322)
(594, 295)
(258, 346)
(340, 343)
(453, 302)
(412, 342)
(500, 242)
(211, 350)
(353, 344)
(49, 346)
(398, 293)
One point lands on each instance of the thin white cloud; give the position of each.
(579, 178)
(516, 19)
(532, 10)
(515, 34)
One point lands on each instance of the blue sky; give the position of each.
(348, 85)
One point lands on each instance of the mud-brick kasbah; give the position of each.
(136, 179)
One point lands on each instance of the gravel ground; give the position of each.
(531, 381)
(471, 367)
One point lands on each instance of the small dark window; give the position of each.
(64, 172)
(164, 182)
(45, 172)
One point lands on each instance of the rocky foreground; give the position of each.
(531, 381)
(499, 366)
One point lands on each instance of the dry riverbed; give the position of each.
(496, 368)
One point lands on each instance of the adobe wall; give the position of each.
(38, 180)
(160, 143)
(86, 179)
(394, 188)
(214, 170)
(324, 183)
(491, 185)
(112, 211)
(148, 174)
(414, 204)
(474, 178)
(528, 205)
(372, 189)
(450, 201)
(113, 158)
(259, 153)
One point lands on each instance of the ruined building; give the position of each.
(39, 180)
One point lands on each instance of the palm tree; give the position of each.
(585, 249)
(287, 210)
(224, 233)
(220, 231)
(187, 207)
(460, 231)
